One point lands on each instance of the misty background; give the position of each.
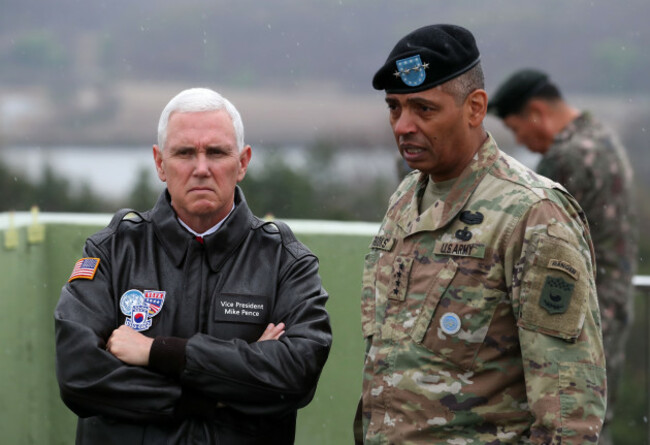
(82, 84)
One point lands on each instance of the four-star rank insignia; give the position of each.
(399, 278)
(140, 307)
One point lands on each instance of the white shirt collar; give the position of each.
(211, 229)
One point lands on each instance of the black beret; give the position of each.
(427, 57)
(514, 92)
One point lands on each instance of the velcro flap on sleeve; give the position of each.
(368, 303)
(555, 289)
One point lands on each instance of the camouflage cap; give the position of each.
(427, 57)
(514, 92)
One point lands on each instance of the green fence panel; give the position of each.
(31, 411)
(328, 419)
(24, 379)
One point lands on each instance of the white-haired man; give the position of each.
(193, 322)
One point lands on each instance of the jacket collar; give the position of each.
(583, 120)
(442, 213)
(176, 241)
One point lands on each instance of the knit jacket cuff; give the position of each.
(167, 356)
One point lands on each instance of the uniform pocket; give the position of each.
(434, 293)
(580, 385)
(455, 317)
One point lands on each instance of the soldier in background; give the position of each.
(587, 158)
(479, 306)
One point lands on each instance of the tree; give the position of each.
(279, 190)
(143, 195)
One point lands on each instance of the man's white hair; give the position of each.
(195, 100)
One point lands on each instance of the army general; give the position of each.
(479, 307)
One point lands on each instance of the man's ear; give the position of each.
(157, 157)
(244, 159)
(476, 104)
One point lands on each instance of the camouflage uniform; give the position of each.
(593, 166)
(480, 315)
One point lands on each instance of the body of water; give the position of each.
(113, 171)
(108, 170)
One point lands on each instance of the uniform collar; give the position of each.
(442, 213)
(584, 119)
(176, 240)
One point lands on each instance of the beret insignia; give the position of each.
(411, 70)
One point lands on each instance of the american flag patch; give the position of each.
(84, 268)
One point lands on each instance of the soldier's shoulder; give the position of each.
(122, 220)
(282, 233)
(407, 184)
(585, 135)
(517, 179)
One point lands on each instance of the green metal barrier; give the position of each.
(35, 268)
(31, 411)
(33, 273)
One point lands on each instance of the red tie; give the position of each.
(199, 239)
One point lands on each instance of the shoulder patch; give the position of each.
(563, 266)
(84, 268)
(556, 295)
(555, 290)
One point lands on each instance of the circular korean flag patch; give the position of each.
(450, 323)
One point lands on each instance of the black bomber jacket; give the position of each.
(205, 305)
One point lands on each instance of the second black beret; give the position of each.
(515, 91)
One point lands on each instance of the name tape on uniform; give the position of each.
(460, 249)
(382, 243)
